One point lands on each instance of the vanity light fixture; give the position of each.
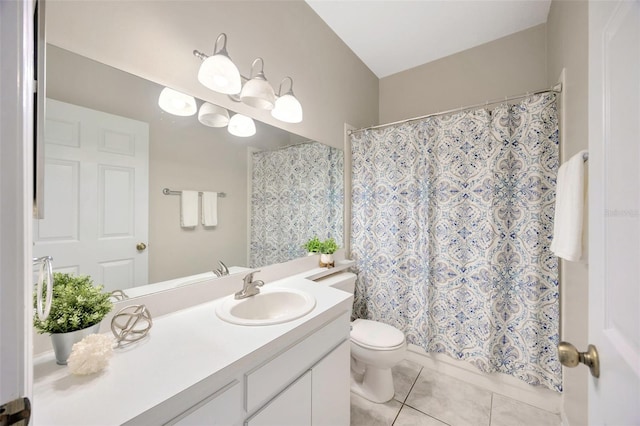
(257, 92)
(213, 115)
(242, 126)
(177, 103)
(218, 72)
(287, 108)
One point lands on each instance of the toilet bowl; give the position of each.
(375, 349)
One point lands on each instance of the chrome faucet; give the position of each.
(222, 270)
(249, 287)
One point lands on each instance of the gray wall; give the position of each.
(508, 66)
(155, 40)
(567, 46)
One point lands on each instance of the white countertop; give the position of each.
(184, 348)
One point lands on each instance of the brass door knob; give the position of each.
(571, 357)
(141, 246)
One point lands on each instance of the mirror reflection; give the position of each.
(111, 151)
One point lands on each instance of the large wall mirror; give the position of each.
(111, 151)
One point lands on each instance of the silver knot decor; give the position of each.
(118, 295)
(131, 324)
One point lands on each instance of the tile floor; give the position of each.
(426, 398)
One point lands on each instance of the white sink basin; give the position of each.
(270, 306)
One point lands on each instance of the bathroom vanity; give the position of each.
(196, 369)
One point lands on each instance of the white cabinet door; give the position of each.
(330, 389)
(290, 408)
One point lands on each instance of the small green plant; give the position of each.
(328, 246)
(313, 245)
(76, 304)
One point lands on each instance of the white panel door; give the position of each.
(96, 195)
(614, 209)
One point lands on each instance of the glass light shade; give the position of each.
(287, 109)
(220, 74)
(258, 93)
(177, 103)
(242, 126)
(213, 115)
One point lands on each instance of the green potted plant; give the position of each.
(327, 248)
(313, 246)
(77, 308)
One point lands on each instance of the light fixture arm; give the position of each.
(290, 86)
(261, 73)
(223, 50)
(224, 46)
(198, 54)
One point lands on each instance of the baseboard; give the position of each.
(499, 383)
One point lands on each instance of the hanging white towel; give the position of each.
(569, 215)
(210, 208)
(188, 209)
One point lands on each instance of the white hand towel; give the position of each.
(569, 214)
(210, 208)
(188, 209)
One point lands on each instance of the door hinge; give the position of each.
(16, 412)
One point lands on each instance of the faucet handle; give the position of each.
(249, 277)
(223, 268)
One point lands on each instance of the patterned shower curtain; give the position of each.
(451, 226)
(297, 193)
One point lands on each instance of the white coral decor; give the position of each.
(90, 355)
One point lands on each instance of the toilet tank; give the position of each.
(345, 281)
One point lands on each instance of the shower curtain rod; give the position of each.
(557, 89)
(278, 148)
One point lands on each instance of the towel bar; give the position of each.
(167, 191)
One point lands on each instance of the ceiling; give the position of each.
(390, 36)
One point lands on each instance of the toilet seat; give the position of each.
(376, 335)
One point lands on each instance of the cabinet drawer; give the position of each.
(222, 408)
(270, 378)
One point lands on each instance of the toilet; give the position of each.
(375, 348)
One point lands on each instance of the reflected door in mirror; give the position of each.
(96, 195)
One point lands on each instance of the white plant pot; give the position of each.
(326, 260)
(63, 342)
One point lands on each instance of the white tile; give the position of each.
(410, 417)
(404, 376)
(450, 400)
(507, 412)
(367, 413)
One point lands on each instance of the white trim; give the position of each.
(347, 169)
(16, 189)
(499, 383)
